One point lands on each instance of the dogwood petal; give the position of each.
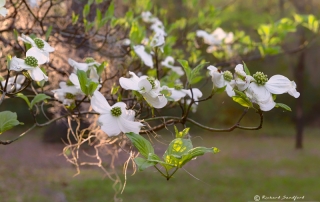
(75, 80)
(47, 47)
(145, 57)
(130, 83)
(77, 65)
(279, 84)
(217, 77)
(109, 125)
(157, 102)
(127, 126)
(3, 11)
(37, 74)
(99, 103)
(38, 54)
(15, 64)
(196, 93)
(229, 89)
(144, 85)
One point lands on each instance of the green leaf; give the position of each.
(15, 34)
(186, 68)
(114, 89)
(83, 80)
(220, 90)
(176, 149)
(38, 98)
(8, 120)
(142, 144)
(25, 98)
(92, 87)
(183, 133)
(143, 163)
(197, 151)
(110, 11)
(86, 10)
(242, 101)
(48, 32)
(101, 67)
(283, 106)
(74, 18)
(246, 68)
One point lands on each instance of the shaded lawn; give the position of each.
(247, 165)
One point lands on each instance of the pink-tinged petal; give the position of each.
(109, 125)
(99, 103)
(157, 102)
(37, 74)
(145, 57)
(38, 54)
(144, 85)
(127, 126)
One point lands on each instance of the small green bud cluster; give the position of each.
(70, 96)
(89, 60)
(260, 78)
(31, 61)
(39, 43)
(116, 111)
(151, 80)
(227, 75)
(178, 86)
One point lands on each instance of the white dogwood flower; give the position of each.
(31, 64)
(242, 80)
(148, 18)
(168, 62)
(14, 83)
(260, 91)
(66, 93)
(216, 38)
(221, 79)
(3, 10)
(39, 45)
(114, 119)
(89, 65)
(147, 87)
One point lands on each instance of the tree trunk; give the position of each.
(299, 121)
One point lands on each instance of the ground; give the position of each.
(261, 163)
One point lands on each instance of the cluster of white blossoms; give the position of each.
(14, 83)
(258, 88)
(35, 56)
(70, 90)
(216, 39)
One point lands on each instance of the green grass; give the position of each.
(247, 165)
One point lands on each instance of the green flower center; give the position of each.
(31, 61)
(260, 78)
(151, 80)
(89, 60)
(69, 83)
(178, 87)
(227, 75)
(69, 96)
(39, 43)
(116, 111)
